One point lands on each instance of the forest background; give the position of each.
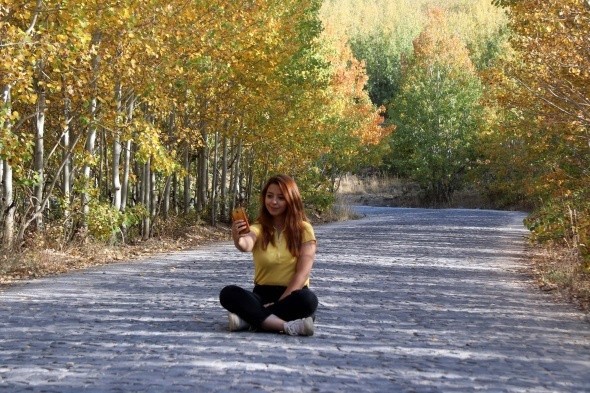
(132, 126)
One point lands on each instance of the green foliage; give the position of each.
(437, 115)
(150, 146)
(381, 34)
(483, 29)
(133, 215)
(174, 76)
(316, 190)
(538, 150)
(437, 122)
(165, 76)
(564, 219)
(434, 104)
(383, 61)
(504, 3)
(104, 221)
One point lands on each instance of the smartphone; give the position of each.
(239, 213)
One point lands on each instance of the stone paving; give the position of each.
(411, 300)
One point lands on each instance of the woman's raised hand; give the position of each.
(236, 227)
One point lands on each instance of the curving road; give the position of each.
(411, 300)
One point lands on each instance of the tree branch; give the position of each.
(35, 17)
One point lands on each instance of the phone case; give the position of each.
(240, 214)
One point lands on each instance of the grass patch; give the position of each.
(341, 210)
(371, 185)
(559, 269)
(378, 190)
(382, 190)
(44, 257)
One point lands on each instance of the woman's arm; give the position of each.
(303, 268)
(244, 242)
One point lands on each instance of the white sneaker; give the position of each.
(299, 327)
(236, 323)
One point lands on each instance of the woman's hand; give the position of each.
(236, 227)
(244, 241)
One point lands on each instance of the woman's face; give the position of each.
(274, 200)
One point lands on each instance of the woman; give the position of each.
(283, 246)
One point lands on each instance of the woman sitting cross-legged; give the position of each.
(283, 246)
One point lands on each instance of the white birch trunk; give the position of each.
(103, 180)
(146, 191)
(126, 171)
(39, 148)
(7, 190)
(127, 158)
(90, 147)
(9, 207)
(91, 137)
(153, 203)
(65, 140)
(116, 180)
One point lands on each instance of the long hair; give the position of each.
(294, 214)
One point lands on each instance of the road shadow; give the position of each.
(410, 300)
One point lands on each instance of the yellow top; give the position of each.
(276, 265)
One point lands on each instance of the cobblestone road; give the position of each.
(411, 300)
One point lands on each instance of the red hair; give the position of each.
(294, 214)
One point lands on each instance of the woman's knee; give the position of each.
(308, 300)
(312, 301)
(229, 293)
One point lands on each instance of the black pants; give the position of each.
(250, 305)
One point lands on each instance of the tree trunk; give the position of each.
(237, 173)
(146, 193)
(175, 193)
(91, 137)
(187, 181)
(127, 158)
(197, 199)
(153, 198)
(1, 190)
(203, 179)
(137, 194)
(168, 183)
(223, 182)
(232, 183)
(214, 201)
(9, 207)
(66, 185)
(39, 147)
(250, 180)
(126, 170)
(166, 196)
(116, 180)
(7, 190)
(104, 175)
